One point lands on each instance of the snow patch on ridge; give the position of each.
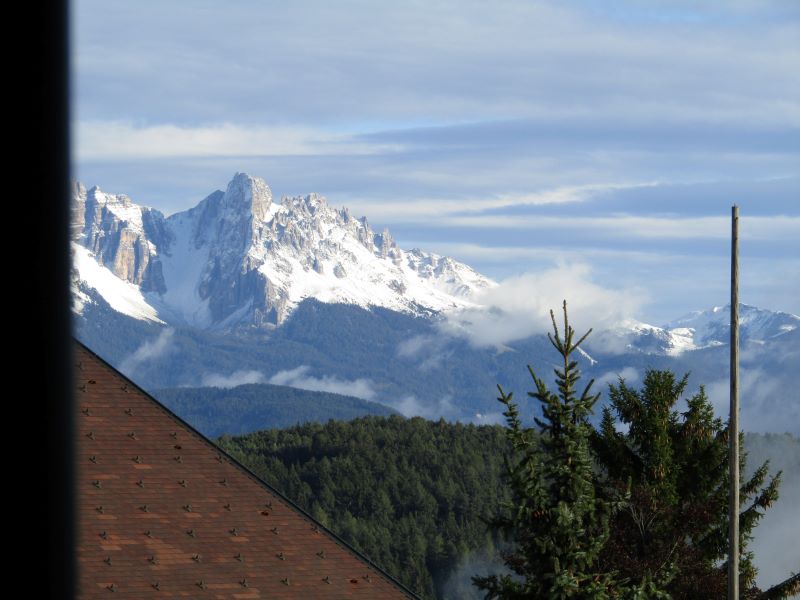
(182, 270)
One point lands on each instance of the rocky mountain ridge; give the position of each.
(240, 258)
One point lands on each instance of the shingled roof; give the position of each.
(164, 513)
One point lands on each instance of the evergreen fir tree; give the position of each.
(673, 529)
(557, 522)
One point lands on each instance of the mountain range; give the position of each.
(240, 258)
(299, 293)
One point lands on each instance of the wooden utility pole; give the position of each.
(733, 423)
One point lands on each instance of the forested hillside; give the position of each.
(409, 493)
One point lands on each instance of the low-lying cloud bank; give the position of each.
(774, 544)
(148, 351)
(298, 377)
(411, 406)
(763, 405)
(520, 306)
(234, 379)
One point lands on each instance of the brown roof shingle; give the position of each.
(163, 513)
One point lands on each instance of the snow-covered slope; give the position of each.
(313, 250)
(121, 295)
(239, 258)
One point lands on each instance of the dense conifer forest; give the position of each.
(414, 494)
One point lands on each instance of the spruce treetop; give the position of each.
(558, 523)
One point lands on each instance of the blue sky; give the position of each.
(605, 139)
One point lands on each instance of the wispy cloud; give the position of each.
(423, 209)
(541, 59)
(234, 379)
(471, 252)
(148, 351)
(298, 377)
(629, 374)
(491, 418)
(121, 140)
(430, 350)
(479, 562)
(778, 227)
(414, 345)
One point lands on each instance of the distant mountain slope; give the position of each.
(701, 329)
(712, 327)
(410, 366)
(257, 406)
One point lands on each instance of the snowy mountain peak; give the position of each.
(700, 329)
(247, 196)
(238, 258)
(712, 326)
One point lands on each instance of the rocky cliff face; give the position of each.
(122, 236)
(239, 258)
(229, 231)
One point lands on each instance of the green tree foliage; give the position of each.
(408, 493)
(557, 521)
(673, 529)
